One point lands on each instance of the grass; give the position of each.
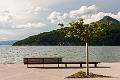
(82, 74)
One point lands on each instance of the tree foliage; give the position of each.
(86, 32)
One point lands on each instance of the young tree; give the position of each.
(60, 35)
(85, 33)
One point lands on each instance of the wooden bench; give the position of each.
(42, 61)
(95, 63)
(52, 61)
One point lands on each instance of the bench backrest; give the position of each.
(52, 60)
(41, 60)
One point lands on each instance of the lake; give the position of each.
(15, 54)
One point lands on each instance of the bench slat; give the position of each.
(41, 60)
(52, 60)
(79, 62)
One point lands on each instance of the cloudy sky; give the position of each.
(22, 18)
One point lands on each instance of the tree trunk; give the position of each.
(87, 59)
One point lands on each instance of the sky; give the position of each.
(20, 19)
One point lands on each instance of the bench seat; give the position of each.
(52, 61)
(95, 63)
(42, 61)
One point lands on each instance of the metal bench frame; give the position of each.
(42, 61)
(52, 61)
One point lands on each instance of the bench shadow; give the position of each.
(67, 67)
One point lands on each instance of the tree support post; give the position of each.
(87, 59)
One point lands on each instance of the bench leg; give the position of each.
(65, 65)
(95, 65)
(58, 66)
(80, 65)
(27, 65)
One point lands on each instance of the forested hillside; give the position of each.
(56, 37)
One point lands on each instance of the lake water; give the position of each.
(15, 54)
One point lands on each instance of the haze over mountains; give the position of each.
(10, 42)
(56, 37)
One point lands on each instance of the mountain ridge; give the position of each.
(56, 37)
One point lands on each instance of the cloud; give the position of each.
(12, 27)
(89, 14)
(84, 10)
(72, 15)
(36, 10)
(21, 31)
(54, 17)
(57, 17)
(5, 34)
(5, 16)
(29, 25)
(6, 19)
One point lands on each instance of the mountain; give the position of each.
(56, 37)
(112, 37)
(114, 24)
(110, 19)
(11, 42)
